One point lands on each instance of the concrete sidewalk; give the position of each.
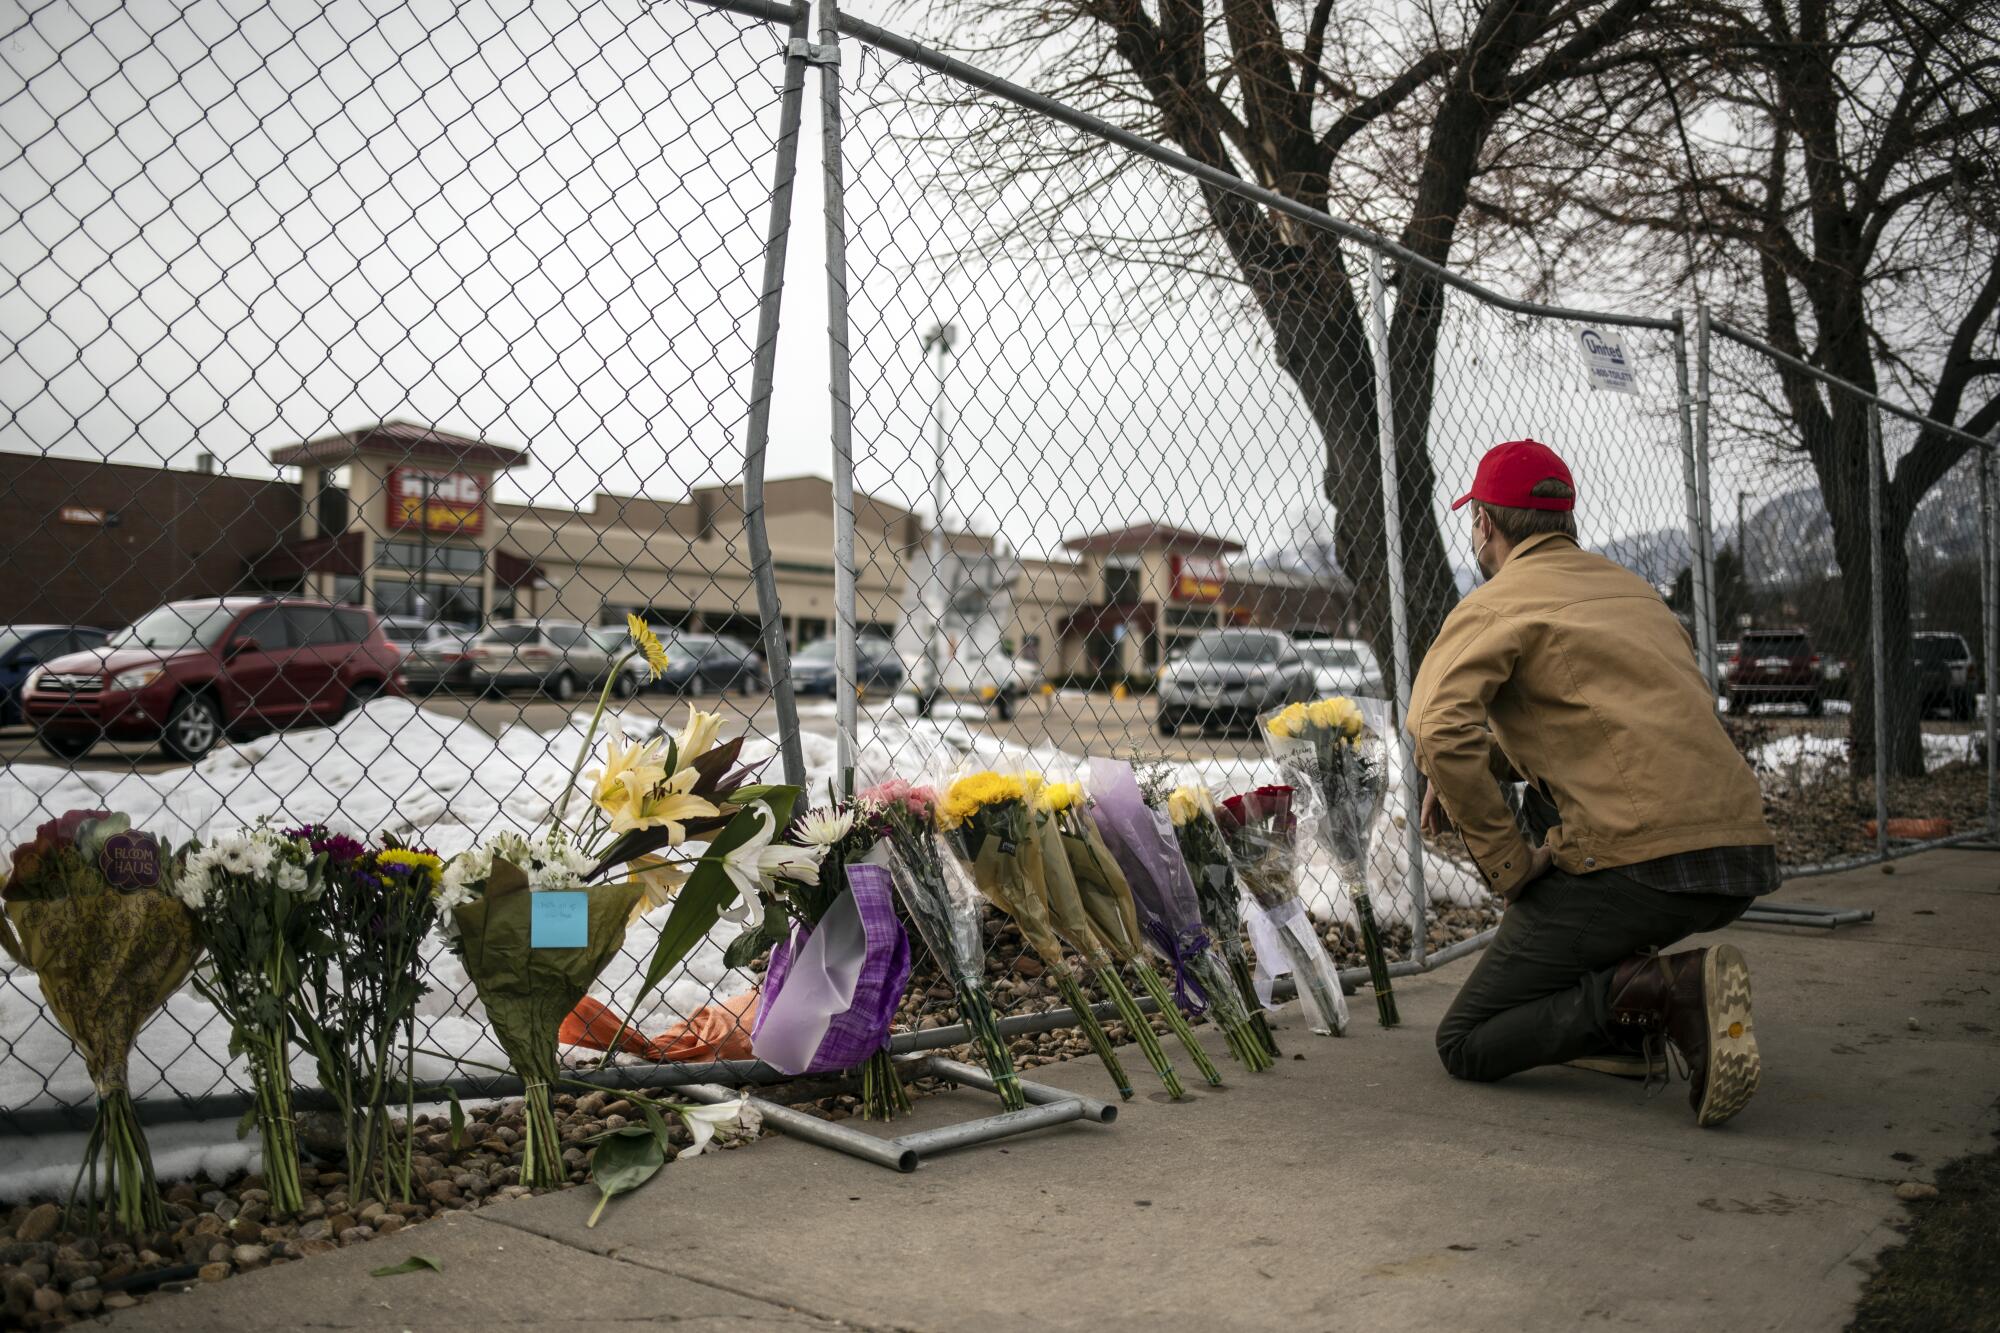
(1354, 1185)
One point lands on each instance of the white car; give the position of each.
(1343, 666)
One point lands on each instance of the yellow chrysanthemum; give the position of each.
(1057, 797)
(1187, 804)
(649, 643)
(1288, 721)
(1338, 713)
(421, 862)
(975, 791)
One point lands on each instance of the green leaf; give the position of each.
(457, 1119)
(658, 1124)
(623, 1162)
(698, 906)
(744, 948)
(755, 791)
(416, 1263)
(247, 1123)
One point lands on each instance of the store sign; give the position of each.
(1196, 578)
(448, 502)
(1605, 365)
(83, 515)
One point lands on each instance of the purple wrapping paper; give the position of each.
(1142, 842)
(830, 993)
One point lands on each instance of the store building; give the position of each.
(404, 518)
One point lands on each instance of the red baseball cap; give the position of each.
(1509, 473)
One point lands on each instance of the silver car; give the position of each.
(1343, 666)
(555, 657)
(1229, 676)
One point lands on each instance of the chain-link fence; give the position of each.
(363, 373)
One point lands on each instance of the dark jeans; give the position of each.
(1541, 993)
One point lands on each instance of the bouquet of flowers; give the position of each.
(1333, 749)
(1141, 839)
(992, 828)
(361, 975)
(1261, 831)
(1191, 809)
(945, 915)
(840, 967)
(526, 962)
(535, 921)
(252, 897)
(89, 911)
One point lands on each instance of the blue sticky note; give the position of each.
(559, 920)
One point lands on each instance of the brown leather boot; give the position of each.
(1700, 1002)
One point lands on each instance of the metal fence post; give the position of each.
(777, 653)
(846, 672)
(1878, 645)
(1989, 634)
(1702, 606)
(1399, 614)
(1704, 486)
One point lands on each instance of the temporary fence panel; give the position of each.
(445, 314)
(474, 317)
(1852, 669)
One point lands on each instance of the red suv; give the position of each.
(190, 673)
(1775, 666)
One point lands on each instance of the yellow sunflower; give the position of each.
(649, 644)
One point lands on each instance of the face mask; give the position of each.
(1479, 557)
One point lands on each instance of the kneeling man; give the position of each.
(1568, 672)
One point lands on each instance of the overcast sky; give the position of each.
(255, 223)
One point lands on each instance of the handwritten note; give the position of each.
(559, 920)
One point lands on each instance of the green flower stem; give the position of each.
(1176, 1020)
(541, 1151)
(277, 1132)
(1239, 967)
(1141, 1030)
(1378, 965)
(977, 1011)
(883, 1096)
(130, 1192)
(1100, 1040)
(590, 736)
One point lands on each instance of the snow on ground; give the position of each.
(447, 783)
(1809, 753)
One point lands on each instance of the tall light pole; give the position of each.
(938, 341)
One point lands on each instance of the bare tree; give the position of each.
(1427, 122)
(1832, 163)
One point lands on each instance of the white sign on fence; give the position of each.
(1605, 365)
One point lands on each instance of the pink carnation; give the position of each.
(920, 801)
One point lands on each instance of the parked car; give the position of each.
(1944, 674)
(1343, 666)
(187, 674)
(25, 647)
(701, 663)
(1776, 666)
(635, 675)
(877, 665)
(555, 657)
(1228, 676)
(440, 657)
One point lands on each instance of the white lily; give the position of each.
(757, 862)
(704, 1121)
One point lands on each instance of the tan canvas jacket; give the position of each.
(1569, 670)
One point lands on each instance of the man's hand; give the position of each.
(1540, 861)
(1433, 819)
